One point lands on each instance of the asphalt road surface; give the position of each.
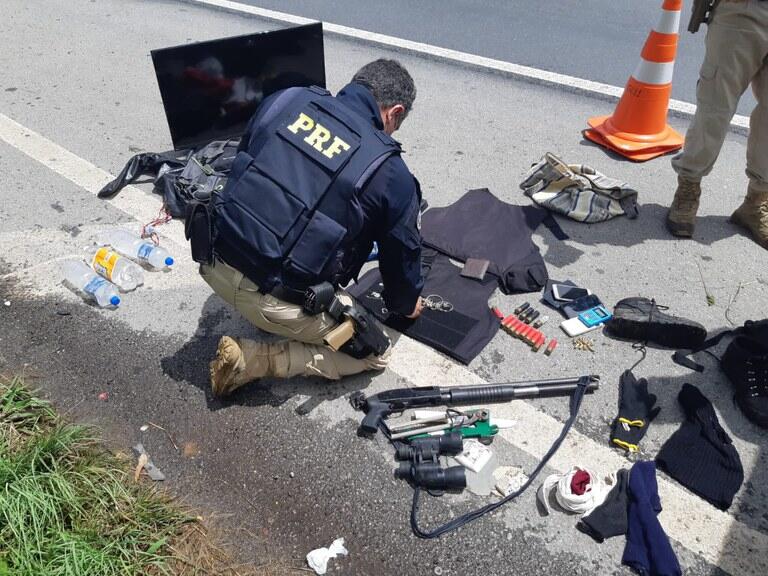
(279, 464)
(599, 40)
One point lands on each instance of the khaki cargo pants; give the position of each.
(308, 355)
(737, 55)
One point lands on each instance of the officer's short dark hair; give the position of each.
(390, 83)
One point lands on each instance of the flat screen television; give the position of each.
(211, 89)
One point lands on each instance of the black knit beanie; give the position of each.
(700, 455)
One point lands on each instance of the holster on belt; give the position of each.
(358, 334)
(340, 335)
(701, 13)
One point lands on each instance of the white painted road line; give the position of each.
(536, 75)
(716, 536)
(84, 174)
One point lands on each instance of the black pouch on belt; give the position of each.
(198, 229)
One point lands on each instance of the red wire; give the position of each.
(147, 230)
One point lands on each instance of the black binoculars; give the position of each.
(420, 463)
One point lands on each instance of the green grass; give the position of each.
(70, 508)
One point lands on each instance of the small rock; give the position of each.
(291, 474)
(7, 302)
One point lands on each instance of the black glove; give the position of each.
(610, 518)
(636, 411)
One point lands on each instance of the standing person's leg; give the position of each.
(753, 212)
(239, 361)
(757, 145)
(733, 56)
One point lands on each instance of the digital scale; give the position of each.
(586, 321)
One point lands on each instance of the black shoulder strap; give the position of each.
(372, 167)
(554, 227)
(681, 357)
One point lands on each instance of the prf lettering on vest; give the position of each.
(318, 136)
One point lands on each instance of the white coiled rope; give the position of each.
(560, 484)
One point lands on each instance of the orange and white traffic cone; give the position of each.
(638, 128)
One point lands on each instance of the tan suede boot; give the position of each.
(753, 215)
(240, 361)
(681, 218)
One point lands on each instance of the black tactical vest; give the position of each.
(290, 208)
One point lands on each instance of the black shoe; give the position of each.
(745, 362)
(642, 320)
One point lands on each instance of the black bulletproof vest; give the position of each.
(461, 325)
(479, 225)
(290, 208)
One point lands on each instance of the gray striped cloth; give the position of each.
(578, 191)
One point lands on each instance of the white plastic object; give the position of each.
(318, 558)
(125, 274)
(136, 248)
(575, 327)
(475, 455)
(79, 277)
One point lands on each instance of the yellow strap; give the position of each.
(636, 423)
(625, 445)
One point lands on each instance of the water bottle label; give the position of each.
(145, 250)
(104, 262)
(93, 285)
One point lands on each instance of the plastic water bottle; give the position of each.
(125, 274)
(138, 249)
(82, 279)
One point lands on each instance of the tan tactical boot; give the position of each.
(241, 361)
(753, 215)
(681, 218)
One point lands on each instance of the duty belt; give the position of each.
(357, 334)
(291, 295)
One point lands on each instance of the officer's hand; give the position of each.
(417, 310)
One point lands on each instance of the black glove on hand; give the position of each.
(636, 411)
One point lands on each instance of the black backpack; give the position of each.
(187, 180)
(748, 347)
(181, 177)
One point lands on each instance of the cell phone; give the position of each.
(566, 293)
(575, 327)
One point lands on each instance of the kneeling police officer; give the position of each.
(317, 179)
